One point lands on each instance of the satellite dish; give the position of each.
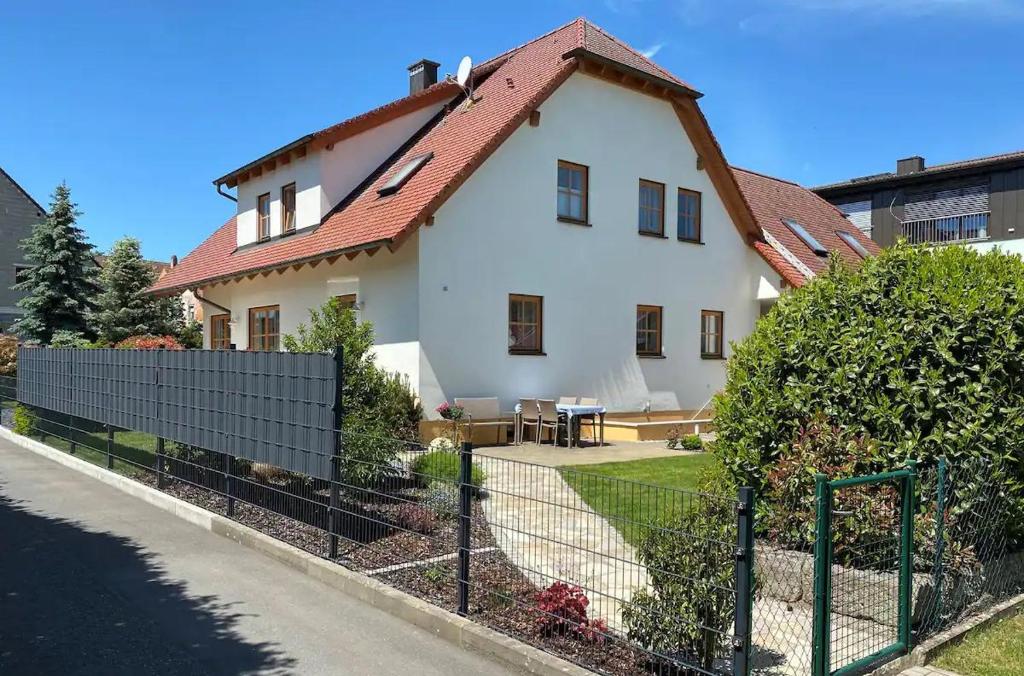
(465, 68)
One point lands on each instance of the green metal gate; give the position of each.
(862, 571)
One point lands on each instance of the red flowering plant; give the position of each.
(146, 342)
(454, 413)
(562, 610)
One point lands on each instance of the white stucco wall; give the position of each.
(385, 284)
(324, 177)
(499, 235)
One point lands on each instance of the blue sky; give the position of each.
(139, 105)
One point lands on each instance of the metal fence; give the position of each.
(619, 576)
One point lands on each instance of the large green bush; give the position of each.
(918, 350)
(444, 466)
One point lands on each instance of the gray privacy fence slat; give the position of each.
(269, 407)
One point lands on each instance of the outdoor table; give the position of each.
(575, 410)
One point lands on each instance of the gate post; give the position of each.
(907, 554)
(940, 536)
(333, 525)
(465, 523)
(743, 627)
(822, 643)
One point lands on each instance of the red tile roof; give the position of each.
(508, 88)
(773, 199)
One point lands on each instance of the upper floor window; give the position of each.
(652, 208)
(572, 192)
(711, 334)
(525, 324)
(263, 216)
(288, 208)
(220, 332)
(688, 208)
(648, 330)
(265, 328)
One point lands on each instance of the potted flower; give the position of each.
(454, 413)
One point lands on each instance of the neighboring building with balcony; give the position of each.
(977, 202)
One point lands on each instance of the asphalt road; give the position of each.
(93, 581)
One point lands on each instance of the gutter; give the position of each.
(201, 299)
(220, 191)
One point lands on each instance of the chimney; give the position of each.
(909, 165)
(174, 261)
(422, 74)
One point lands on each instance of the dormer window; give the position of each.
(805, 237)
(852, 242)
(263, 216)
(288, 209)
(407, 171)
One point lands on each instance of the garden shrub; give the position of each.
(24, 420)
(442, 498)
(147, 342)
(8, 355)
(691, 442)
(918, 350)
(687, 608)
(440, 466)
(416, 518)
(562, 610)
(69, 339)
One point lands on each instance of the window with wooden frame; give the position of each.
(711, 334)
(648, 330)
(525, 324)
(265, 328)
(263, 216)
(347, 300)
(287, 209)
(688, 211)
(572, 192)
(220, 332)
(652, 208)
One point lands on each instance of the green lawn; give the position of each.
(632, 494)
(997, 650)
(130, 449)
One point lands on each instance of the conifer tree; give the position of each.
(123, 307)
(61, 284)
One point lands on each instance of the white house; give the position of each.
(568, 227)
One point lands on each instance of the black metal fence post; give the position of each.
(71, 435)
(229, 483)
(465, 523)
(110, 447)
(743, 627)
(161, 474)
(333, 513)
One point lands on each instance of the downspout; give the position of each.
(220, 191)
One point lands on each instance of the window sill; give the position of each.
(573, 221)
(525, 353)
(650, 356)
(690, 241)
(288, 233)
(655, 235)
(713, 357)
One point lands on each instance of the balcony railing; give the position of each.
(947, 229)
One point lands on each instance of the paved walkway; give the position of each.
(547, 530)
(93, 581)
(927, 671)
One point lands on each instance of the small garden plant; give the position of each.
(443, 467)
(562, 611)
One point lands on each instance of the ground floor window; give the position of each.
(347, 301)
(525, 324)
(265, 328)
(711, 333)
(220, 332)
(648, 330)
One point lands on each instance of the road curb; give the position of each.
(443, 624)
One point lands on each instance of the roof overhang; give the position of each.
(937, 173)
(601, 62)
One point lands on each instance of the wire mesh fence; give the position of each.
(630, 579)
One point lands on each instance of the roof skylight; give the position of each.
(852, 242)
(805, 237)
(404, 174)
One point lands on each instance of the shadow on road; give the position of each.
(73, 601)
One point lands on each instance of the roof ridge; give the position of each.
(24, 192)
(625, 45)
(510, 52)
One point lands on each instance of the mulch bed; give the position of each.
(501, 597)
